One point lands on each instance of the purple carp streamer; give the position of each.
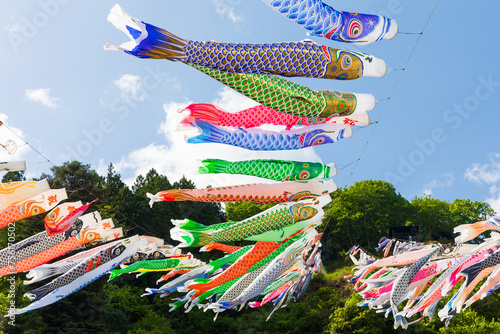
(265, 140)
(293, 59)
(403, 279)
(319, 19)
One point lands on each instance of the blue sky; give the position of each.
(71, 100)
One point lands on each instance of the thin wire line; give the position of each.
(385, 106)
(79, 184)
(392, 92)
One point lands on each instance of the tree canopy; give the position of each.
(359, 214)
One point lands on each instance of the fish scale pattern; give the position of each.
(260, 251)
(287, 59)
(284, 95)
(14, 252)
(231, 194)
(259, 115)
(264, 142)
(280, 282)
(256, 116)
(43, 243)
(20, 211)
(278, 170)
(263, 281)
(321, 20)
(254, 226)
(49, 254)
(79, 270)
(236, 289)
(275, 170)
(270, 141)
(401, 283)
(488, 262)
(146, 265)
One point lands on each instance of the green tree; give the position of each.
(437, 218)
(14, 176)
(433, 218)
(361, 214)
(81, 182)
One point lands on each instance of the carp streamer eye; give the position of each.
(304, 175)
(319, 141)
(346, 62)
(355, 28)
(305, 213)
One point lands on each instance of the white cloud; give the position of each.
(14, 28)
(488, 173)
(130, 86)
(494, 199)
(230, 100)
(224, 9)
(448, 180)
(178, 158)
(41, 95)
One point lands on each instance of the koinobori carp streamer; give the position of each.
(277, 170)
(290, 59)
(319, 19)
(265, 140)
(260, 115)
(258, 192)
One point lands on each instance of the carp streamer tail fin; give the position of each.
(147, 41)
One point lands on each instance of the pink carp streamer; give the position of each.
(258, 192)
(260, 115)
(425, 274)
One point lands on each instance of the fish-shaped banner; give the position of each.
(19, 191)
(320, 19)
(291, 191)
(63, 216)
(32, 206)
(261, 114)
(193, 234)
(98, 231)
(277, 170)
(290, 59)
(266, 140)
(87, 272)
(13, 166)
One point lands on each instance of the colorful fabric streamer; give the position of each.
(14, 192)
(453, 263)
(193, 234)
(277, 170)
(291, 98)
(260, 115)
(265, 140)
(292, 191)
(32, 206)
(90, 234)
(86, 278)
(319, 19)
(293, 59)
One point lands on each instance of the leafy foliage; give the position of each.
(359, 214)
